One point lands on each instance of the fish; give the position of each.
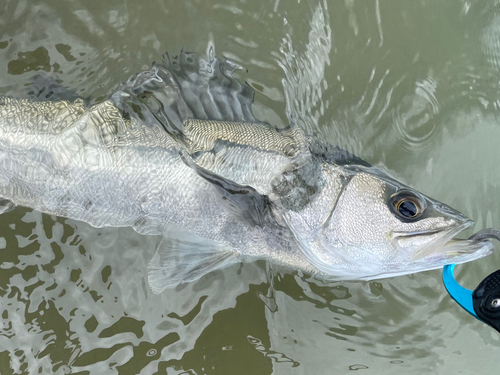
(176, 151)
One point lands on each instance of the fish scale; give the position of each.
(108, 171)
(181, 155)
(204, 134)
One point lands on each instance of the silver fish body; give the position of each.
(342, 214)
(219, 185)
(93, 165)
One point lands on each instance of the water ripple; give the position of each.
(377, 78)
(414, 116)
(490, 42)
(304, 72)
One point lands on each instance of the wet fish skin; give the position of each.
(220, 186)
(249, 153)
(341, 214)
(110, 171)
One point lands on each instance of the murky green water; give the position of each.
(411, 86)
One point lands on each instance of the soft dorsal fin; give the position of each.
(183, 87)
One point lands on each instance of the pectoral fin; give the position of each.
(182, 257)
(244, 202)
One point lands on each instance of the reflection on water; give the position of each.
(410, 86)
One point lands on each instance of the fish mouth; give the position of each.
(443, 248)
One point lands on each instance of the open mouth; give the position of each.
(460, 250)
(440, 249)
(440, 246)
(475, 247)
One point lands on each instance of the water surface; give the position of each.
(410, 86)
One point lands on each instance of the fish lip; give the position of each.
(469, 249)
(438, 261)
(459, 228)
(451, 251)
(417, 233)
(449, 233)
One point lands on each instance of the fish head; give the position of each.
(363, 224)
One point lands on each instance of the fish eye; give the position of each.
(407, 208)
(495, 303)
(407, 205)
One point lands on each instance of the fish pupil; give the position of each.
(408, 209)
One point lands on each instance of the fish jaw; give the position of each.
(441, 248)
(453, 252)
(429, 242)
